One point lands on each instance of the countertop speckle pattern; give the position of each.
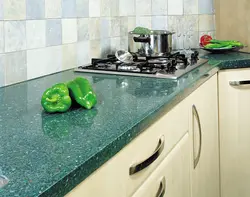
(48, 155)
(229, 60)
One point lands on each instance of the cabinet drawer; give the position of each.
(117, 178)
(230, 77)
(172, 177)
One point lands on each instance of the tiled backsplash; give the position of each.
(40, 37)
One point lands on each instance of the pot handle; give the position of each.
(142, 39)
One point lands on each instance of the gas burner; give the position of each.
(168, 70)
(105, 65)
(128, 67)
(171, 65)
(158, 61)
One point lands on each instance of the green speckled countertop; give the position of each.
(48, 155)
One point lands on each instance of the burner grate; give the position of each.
(166, 66)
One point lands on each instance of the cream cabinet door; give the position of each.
(118, 177)
(172, 177)
(204, 140)
(234, 102)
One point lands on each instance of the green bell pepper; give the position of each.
(217, 46)
(56, 99)
(81, 91)
(228, 42)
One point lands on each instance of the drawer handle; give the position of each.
(239, 83)
(144, 164)
(197, 117)
(162, 189)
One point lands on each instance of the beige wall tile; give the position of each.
(206, 23)
(105, 8)
(144, 21)
(15, 35)
(175, 7)
(127, 7)
(191, 40)
(14, 9)
(123, 26)
(95, 48)
(36, 63)
(69, 31)
(191, 7)
(115, 44)
(83, 54)
(82, 8)
(159, 7)
(131, 23)
(94, 6)
(160, 22)
(191, 23)
(53, 9)
(124, 43)
(1, 37)
(115, 27)
(44, 61)
(16, 67)
(94, 28)
(105, 27)
(143, 7)
(176, 24)
(2, 70)
(54, 59)
(114, 8)
(105, 47)
(82, 29)
(36, 34)
(69, 56)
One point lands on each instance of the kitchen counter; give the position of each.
(48, 155)
(230, 60)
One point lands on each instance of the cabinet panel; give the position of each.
(237, 27)
(204, 140)
(234, 133)
(114, 179)
(172, 177)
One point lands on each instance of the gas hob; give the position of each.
(170, 66)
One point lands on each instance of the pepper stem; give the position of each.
(52, 100)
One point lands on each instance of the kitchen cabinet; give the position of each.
(123, 174)
(204, 138)
(178, 155)
(172, 177)
(234, 101)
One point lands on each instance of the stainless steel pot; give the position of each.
(157, 43)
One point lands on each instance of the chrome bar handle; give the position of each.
(144, 164)
(239, 83)
(162, 189)
(197, 158)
